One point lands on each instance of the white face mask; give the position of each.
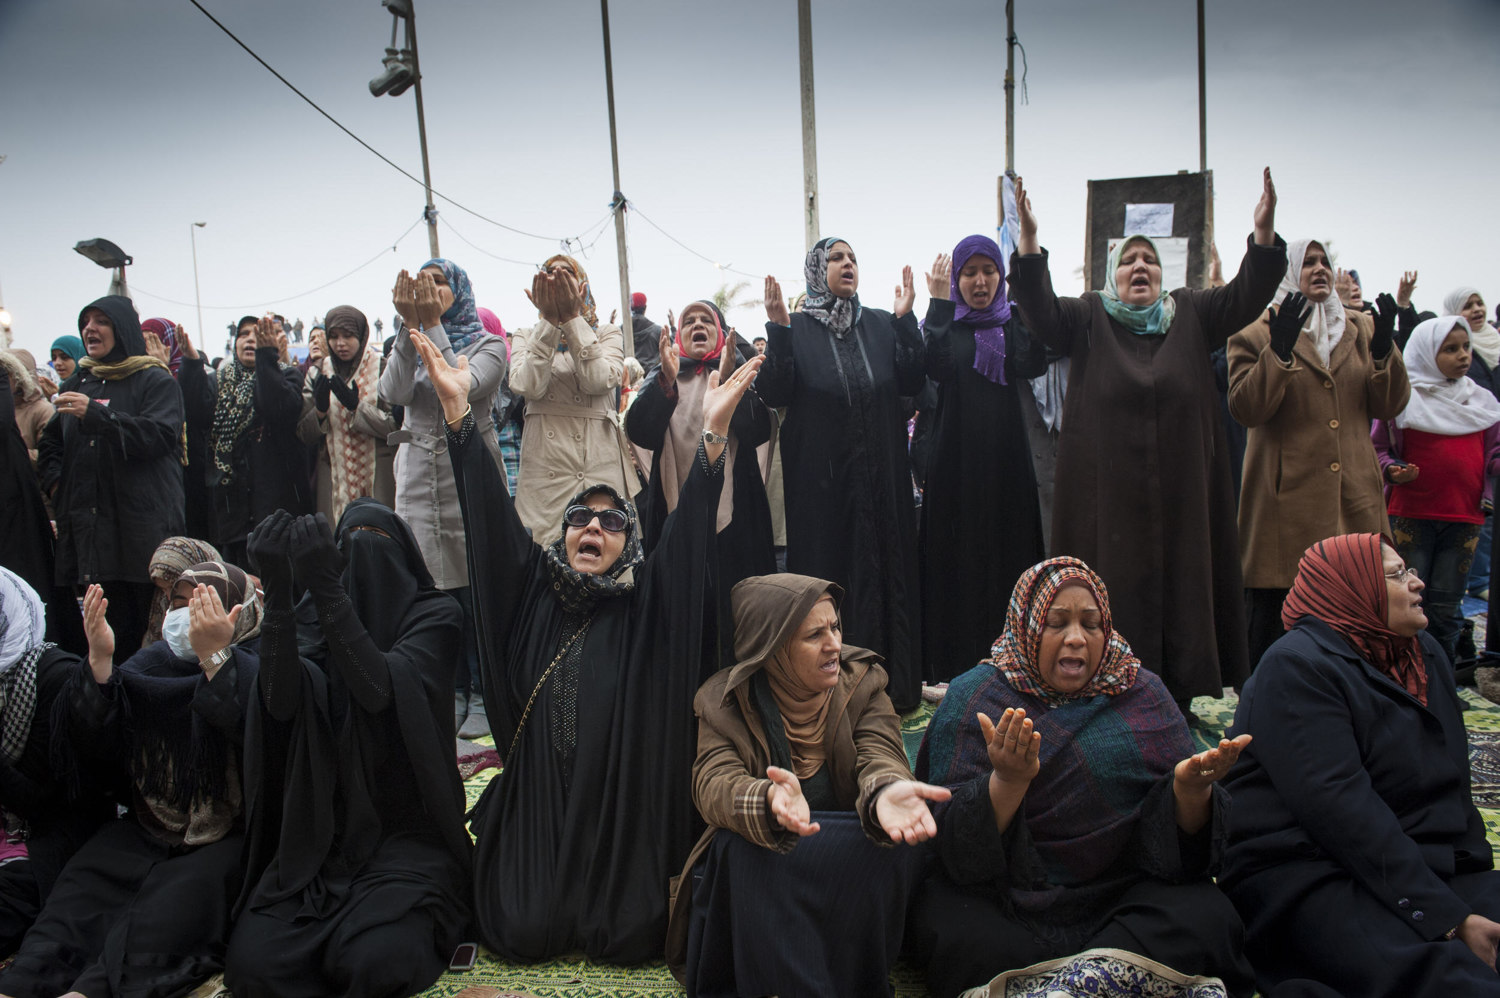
(174, 628)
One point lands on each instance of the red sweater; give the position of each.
(1450, 478)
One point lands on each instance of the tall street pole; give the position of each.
(197, 298)
(618, 204)
(1010, 91)
(1202, 98)
(416, 67)
(809, 122)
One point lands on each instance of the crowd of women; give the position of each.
(225, 676)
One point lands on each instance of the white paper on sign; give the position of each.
(1174, 259)
(1148, 220)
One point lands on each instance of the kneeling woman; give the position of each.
(1358, 858)
(143, 908)
(592, 654)
(1081, 819)
(798, 739)
(358, 880)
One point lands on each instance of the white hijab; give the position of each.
(1452, 408)
(22, 625)
(1485, 340)
(1325, 326)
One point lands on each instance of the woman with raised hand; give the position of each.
(1082, 818)
(143, 908)
(1143, 487)
(342, 410)
(438, 305)
(567, 367)
(840, 369)
(592, 653)
(979, 466)
(358, 879)
(803, 779)
(666, 419)
(1308, 378)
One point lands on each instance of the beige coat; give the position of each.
(573, 437)
(33, 410)
(1310, 469)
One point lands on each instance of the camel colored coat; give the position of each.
(1310, 469)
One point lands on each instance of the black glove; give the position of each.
(269, 548)
(321, 385)
(1286, 324)
(1385, 326)
(316, 555)
(348, 393)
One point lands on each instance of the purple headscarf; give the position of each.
(988, 322)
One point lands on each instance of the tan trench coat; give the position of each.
(573, 437)
(1310, 469)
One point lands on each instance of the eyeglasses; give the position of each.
(1403, 576)
(610, 519)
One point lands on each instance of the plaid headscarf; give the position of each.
(1341, 581)
(838, 314)
(1015, 653)
(173, 556)
(166, 331)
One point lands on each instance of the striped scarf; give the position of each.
(351, 454)
(173, 556)
(1341, 581)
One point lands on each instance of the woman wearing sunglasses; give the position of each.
(592, 653)
(1356, 856)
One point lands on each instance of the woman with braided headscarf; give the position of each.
(1081, 818)
(143, 907)
(43, 824)
(249, 408)
(1357, 857)
(841, 370)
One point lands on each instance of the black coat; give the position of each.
(117, 468)
(577, 854)
(981, 521)
(269, 461)
(1349, 776)
(850, 516)
(745, 545)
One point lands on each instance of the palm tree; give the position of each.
(727, 298)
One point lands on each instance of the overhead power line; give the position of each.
(383, 158)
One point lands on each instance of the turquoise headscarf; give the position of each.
(1143, 320)
(70, 345)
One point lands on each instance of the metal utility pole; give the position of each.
(1010, 90)
(1202, 98)
(618, 204)
(416, 67)
(197, 298)
(809, 122)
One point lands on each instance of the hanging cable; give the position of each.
(707, 259)
(383, 158)
(281, 301)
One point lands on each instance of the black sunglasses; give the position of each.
(610, 519)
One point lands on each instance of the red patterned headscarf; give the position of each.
(1015, 653)
(1341, 581)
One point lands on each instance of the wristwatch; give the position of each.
(710, 437)
(217, 659)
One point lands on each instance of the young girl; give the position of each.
(1437, 457)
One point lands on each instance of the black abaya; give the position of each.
(850, 516)
(579, 835)
(981, 521)
(359, 862)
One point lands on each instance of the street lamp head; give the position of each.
(200, 224)
(398, 75)
(104, 253)
(399, 8)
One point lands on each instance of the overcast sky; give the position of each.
(132, 120)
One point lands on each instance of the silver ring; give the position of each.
(1205, 772)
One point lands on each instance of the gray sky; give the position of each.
(132, 120)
